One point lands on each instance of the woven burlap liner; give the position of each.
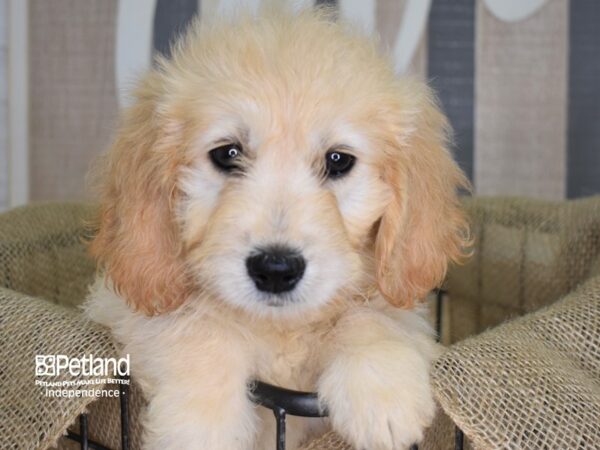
(531, 383)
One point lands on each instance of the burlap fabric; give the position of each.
(533, 383)
(42, 253)
(527, 384)
(41, 256)
(528, 254)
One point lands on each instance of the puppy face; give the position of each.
(276, 164)
(279, 201)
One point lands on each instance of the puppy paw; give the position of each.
(379, 400)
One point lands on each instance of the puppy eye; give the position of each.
(227, 157)
(338, 164)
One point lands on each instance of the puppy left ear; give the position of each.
(423, 227)
(138, 242)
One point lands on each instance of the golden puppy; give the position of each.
(274, 204)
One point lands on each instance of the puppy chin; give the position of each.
(278, 301)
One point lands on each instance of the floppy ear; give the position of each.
(423, 228)
(138, 240)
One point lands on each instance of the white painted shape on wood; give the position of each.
(514, 10)
(4, 180)
(18, 101)
(412, 29)
(135, 22)
(360, 12)
(225, 8)
(231, 7)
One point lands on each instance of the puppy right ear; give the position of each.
(138, 242)
(424, 226)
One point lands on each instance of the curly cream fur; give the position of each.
(174, 234)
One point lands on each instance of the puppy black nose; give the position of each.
(276, 269)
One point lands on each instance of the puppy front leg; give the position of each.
(202, 402)
(376, 379)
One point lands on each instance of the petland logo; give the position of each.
(55, 365)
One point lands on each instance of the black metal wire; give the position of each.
(83, 429)
(286, 401)
(296, 403)
(280, 416)
(459, 439)
(280, 400)
(92, 445)
(439, 308)
(124, 403)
